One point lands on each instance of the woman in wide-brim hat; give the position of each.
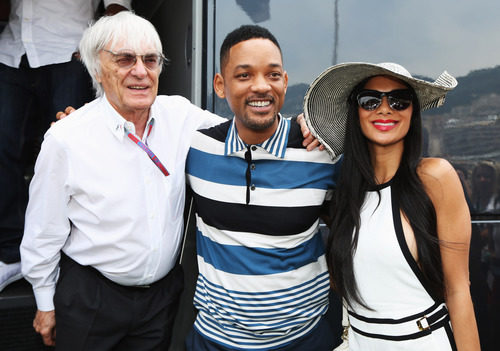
(398, 252)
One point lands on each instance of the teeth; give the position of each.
(137, 87)
(259, 103)
(384, 124)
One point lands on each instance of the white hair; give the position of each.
(125, 25)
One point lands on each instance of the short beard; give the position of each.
(258, 124)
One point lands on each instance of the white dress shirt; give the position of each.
(48, 31)
(98, 197)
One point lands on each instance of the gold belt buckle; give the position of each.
(345, 333)
(423, 324)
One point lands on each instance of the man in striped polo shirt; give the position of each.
(263, 281)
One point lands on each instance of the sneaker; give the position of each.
(9, 273)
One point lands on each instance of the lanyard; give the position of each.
(150, 153)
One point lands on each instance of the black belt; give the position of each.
(65, 259)
(423, 324)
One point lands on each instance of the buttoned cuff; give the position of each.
(45, 298)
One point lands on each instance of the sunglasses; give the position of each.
(398, 100)
(127, 59)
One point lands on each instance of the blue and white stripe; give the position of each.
(275, 145)
(263, 288)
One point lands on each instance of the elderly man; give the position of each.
(104, 217)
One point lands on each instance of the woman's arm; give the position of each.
(443, 186)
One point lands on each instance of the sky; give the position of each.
(425, 36)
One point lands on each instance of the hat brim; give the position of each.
(326, 100)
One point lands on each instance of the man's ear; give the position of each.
(219, 85)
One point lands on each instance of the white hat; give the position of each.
(326, 100)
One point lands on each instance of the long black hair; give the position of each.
(356, 178)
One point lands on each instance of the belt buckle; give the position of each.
(423, 324)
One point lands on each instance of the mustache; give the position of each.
(260, 97)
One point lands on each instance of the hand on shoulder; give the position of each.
(310, 142)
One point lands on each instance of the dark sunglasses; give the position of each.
(398, 100)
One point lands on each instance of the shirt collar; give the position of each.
(275, 145)
(117, 124)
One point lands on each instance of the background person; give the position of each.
(40, 73)
(484, 188)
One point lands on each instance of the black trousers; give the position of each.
(94, 313)
(29, 100)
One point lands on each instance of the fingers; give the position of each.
(307, 140)
(48, 335)
(310, 142)
(303, 126)
(44, 324)
(62, 114)
(49, 338)
(59, 115)
(69, 110)
(312, 145)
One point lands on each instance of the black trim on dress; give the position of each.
(398, 228)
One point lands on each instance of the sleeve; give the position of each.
(47, 225)
(125, 3)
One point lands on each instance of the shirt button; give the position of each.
(252, 166)
(254, 148)
(252, 187)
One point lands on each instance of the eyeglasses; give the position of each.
(398, 100)
(127, 59)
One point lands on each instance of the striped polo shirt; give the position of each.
(263, 280)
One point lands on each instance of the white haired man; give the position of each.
(104, 218)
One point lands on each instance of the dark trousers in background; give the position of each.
(29, 100)
(95, 314)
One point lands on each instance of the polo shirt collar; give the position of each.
(275, 145)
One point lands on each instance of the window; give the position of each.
(427, 37)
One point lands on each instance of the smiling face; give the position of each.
(131, 91)
(254, 83)
(385, 126)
